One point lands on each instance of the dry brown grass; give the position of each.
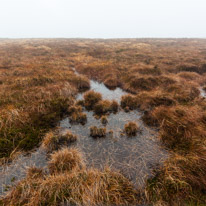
(129, 101)
(76, 115)
(34, 173)
(131, 128)
(106, 106)
(81, 82)
(68, 184)
(91, 98)
(97, 132)
(54, 141)
(37, 85)
(104, 120)
(65, 160)
(112, 82)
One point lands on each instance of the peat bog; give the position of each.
(102, 122)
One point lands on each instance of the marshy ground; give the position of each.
(144, 100)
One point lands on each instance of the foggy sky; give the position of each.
(102, 19)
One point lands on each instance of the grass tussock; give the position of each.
(76, 115)
(106, 106)
(147, 83)
(80, 103)
(81, 82)
(182, 93)
(180, 126)
(129, 101)
(78, 118)
(70, 182)
(149, 100)
(104, 120)
(84, 187)
(54, 141)
(180, 182)
(189, 75)
(65, 160)
(74, 109)
(97, 132)
(111, 82)
(131, 129)
(91, 98)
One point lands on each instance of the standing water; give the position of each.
(135, 157)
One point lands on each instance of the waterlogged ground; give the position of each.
(11, 173)
(135, 157)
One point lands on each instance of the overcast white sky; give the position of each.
(102, 19)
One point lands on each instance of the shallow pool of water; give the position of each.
(106, 93)
(16, 170)
(135, 157)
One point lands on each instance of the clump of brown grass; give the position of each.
(180, 182)
(106, 106)
(80, 103)
(147, 83)
(65, 160)
(97, 132)
(102, 107)
(129, 101)
(184, 94)
(78, 118)
(104, 120)
(81, 82)
(84, 187)
(54, 141)
(179, 126)
(114, 106)
(91, 98)
(149, 100)
(126, 109)
(34, 173)
(74, 109)
(200, 69)
(189, 75)
(76, 115)
(131, 128)
(143, 83)
(111, 82)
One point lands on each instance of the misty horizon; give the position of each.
(102, 20)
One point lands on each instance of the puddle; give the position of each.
(202, 92)
(101, 88)
(135, 157)
(11, 173)
(106, 93)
